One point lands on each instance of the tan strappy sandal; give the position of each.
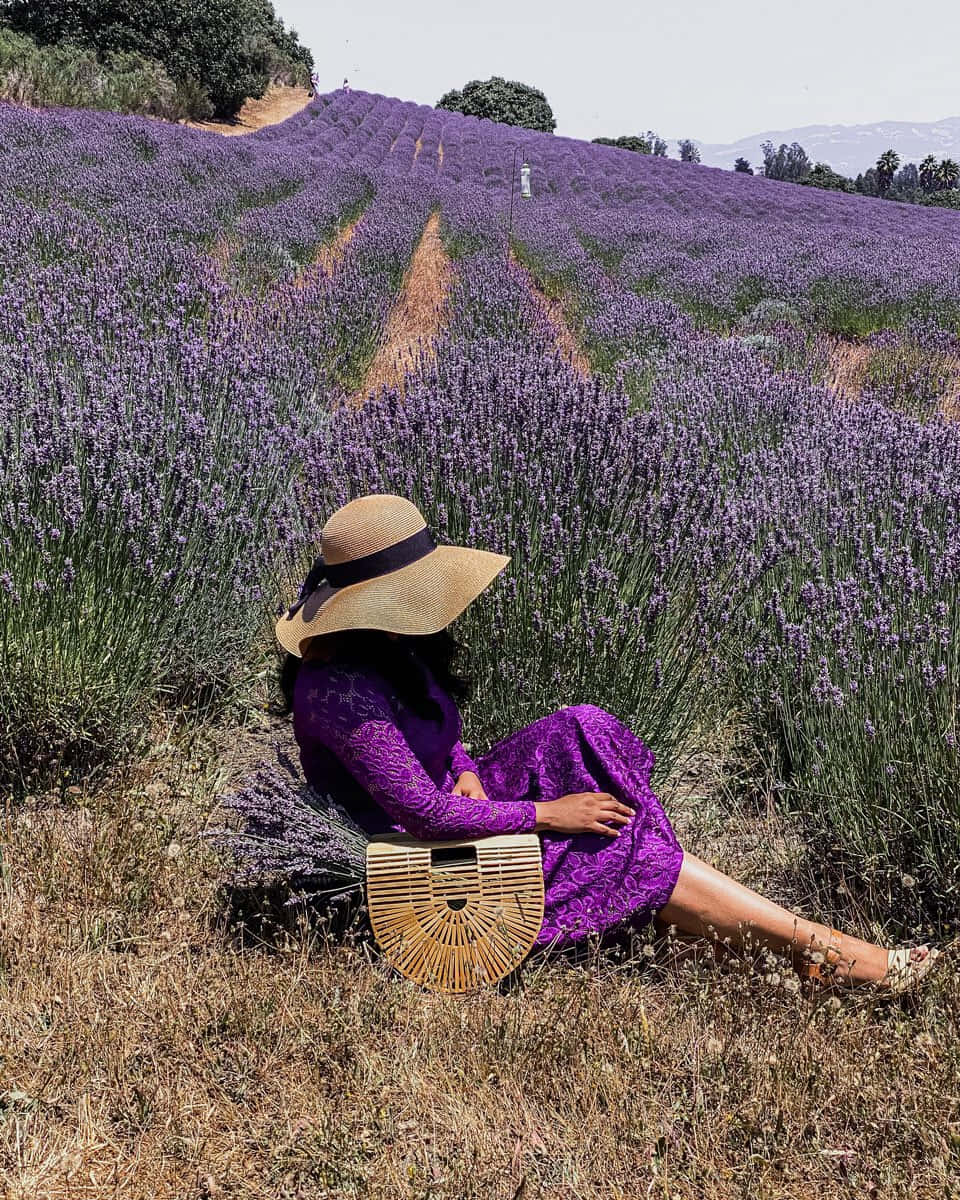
(903, 972)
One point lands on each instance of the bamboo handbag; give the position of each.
(453, 916)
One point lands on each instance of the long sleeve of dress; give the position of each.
(461, 761)
(355, 723)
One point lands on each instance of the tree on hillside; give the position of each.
(790, 163)
(743, 166)
(822, 175)
(648, 143)
(688, 151)
(658, 146)
(906, 183)
(886, 168)
(867, 184)
(928, 174)
(948, 174)
(229, 49)
(502, 100)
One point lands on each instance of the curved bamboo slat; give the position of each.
(453, 916)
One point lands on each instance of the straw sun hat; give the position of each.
(379, 568)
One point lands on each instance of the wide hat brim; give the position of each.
(421, 598)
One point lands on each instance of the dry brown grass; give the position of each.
(147, 1053)
(847, 367)
(951, 400)
(552, 312)
(325, 261)
(416, 319)
(222, 251)
(328, 256)
(276, 105)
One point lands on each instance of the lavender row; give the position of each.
(152, 412)
(716, 241)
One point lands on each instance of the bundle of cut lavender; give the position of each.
(290, 834)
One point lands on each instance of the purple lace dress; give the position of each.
(394, 770)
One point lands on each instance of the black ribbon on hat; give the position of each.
(370, 566)
(314, 577)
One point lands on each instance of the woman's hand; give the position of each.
(469, 785)
(583, 812)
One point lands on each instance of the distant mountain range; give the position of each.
(849, 149)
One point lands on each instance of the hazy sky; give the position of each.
(716, 70)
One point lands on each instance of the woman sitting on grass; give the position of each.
(373, 695)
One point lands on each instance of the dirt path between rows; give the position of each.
(848, 373)
(552, 312)
(848, 367)
(417, 317)
(277, 104)
(328, 256)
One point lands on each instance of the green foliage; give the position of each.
(824, 176)
(848, 310)
(502, 100)
(648, 143)
(931, 182)
(928, 174)
(948, 174)
(223, 50)
(742, 166)
(790, 163)
(886, 168)
(688, 151)
(948, 199)
(69, 75)
(906, 184)
(867, 184)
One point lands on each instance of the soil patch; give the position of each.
(417, 316)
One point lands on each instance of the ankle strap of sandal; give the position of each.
(831, 956)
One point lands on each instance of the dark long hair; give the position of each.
(400, 660)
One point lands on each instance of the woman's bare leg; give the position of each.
(707, 902)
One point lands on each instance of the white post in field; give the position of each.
(525, 192)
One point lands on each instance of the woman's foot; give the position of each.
(705, 901)
(906, 967)
(894, 971)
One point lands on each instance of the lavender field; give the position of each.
(714, 516)
(712, 418)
